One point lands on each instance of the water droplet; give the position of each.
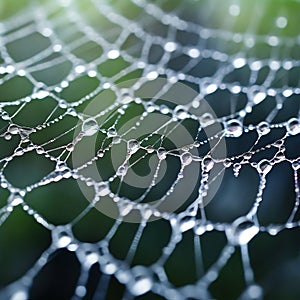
(103, 189)
(263, 128)
(239, 62)
(111, 132)
(109, 268)
(80, 291)
(79, 69)
(293, 126)
(296, 165)
(170, 46)
(7, 136)
(19, 151)
(241, 231)
(234, 10)
(206, 119)
(70, 147)
(236, 169)
(187, 223)
(122, 170)
(133, 146)
(90, 127)
(19, 295)
(150, 107)
(13, 129)
(125, 209)
(113, 54)
(62, 239)
(207, 163)
(149, 149)
(281, 22)
(161, 153)
(41, 94)
(258, 96)
(140, 283)
(211, 88)
(116, 139)
(193, 53)
(254, 292)
(264, 167)
(152, 75)
(164, 109)
(180, 112)
(273, 40)
(15, 199)
(40, 150)
(126, 96)
(233, 128)
(186, 158)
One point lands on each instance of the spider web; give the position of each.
(149, 150)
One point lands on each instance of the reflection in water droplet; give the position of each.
(133, 146)
(90, 127)
(233, 128)
(122, 170)
(140, 282)
(103, 189)
(207, 163)
(241, 231)
(186, 158)
(161, 153)
(293, 126)
(180, 113)
(263, 128)
(264, 167)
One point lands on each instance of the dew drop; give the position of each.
(126, 96)
(90, 127)
(113, 54)
(281, 22)
(109, 268)
(170, 46)
(111, 132)
(41, 94)
(258, 96)
(149, 149)
(264, 167)
(180, 112)
(239, 62)
(263, 128)
(233, 128)
(140, 283)
(193, 53)
(116, 139)
(254, 292)
(152, 75)
(293, 126)
(187, 223)
(161, 153)
(186, 158)
(7, 136)
(164, 109)
(241, 231)
(19, 151)
(133, 146)
(13, 129)
(206, 119)
(122, 170)
(19, 295)
(207, 163)
(70, 147)
(103, 189)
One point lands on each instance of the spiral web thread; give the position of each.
(259, 104)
